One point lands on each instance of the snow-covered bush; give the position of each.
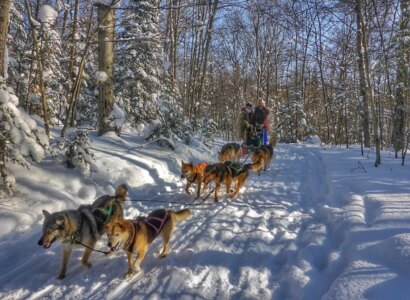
(19, 137)
(313, 139)
(76, 147)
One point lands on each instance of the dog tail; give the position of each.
(182, 214)
(121, 191)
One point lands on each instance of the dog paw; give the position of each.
(87, 264)
(163, 255)
(136, 269)
(216, 200)
(61, 276)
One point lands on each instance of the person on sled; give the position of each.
(246, 120)
(261, 121)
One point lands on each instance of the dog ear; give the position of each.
(45, 213)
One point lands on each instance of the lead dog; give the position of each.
(71, 227)
(193, 174)
(135, 236)
(81, 226)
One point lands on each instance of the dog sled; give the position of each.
(254, 139)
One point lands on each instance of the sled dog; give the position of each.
(228, 172)
(193, 174)
(83, 225)
(264, 154)
(71, 227)
(111, 208)
(135, 236)
(230, 151)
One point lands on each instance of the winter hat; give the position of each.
(248, 104)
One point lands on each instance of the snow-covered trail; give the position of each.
(301, 230)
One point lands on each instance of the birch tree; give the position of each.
(106, 22)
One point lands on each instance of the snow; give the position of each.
(4, 96)
(117, 117)
(102, 76)
(312, 227)
(47, 15)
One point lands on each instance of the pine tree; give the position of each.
(52, 55)
(293, 125)
(20, 135)
(138, 76)
(143, 90)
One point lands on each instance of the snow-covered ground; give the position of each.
(321, 223)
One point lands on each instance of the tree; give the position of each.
(4, 24)
(138, 76)
(366, 91)
(106, 22)
(402, 80)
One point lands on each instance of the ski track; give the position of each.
(279, 239)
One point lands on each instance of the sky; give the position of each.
(321, 223)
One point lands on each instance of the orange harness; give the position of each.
(200, 167)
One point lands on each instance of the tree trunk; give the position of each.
(39, 59)
(401, 89)
(362, 75)
(106, 23)
(365, 84)
(4, 25)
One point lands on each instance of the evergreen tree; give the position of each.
(293, 126)
(143, 90)
(20, 135)
(139, 52)
(52, 55)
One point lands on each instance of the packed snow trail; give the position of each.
(298, 231)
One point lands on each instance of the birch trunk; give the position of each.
(105, 64)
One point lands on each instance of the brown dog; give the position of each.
(264, 155)
(230, 151)
(228, 172)
(135, 236)
(193, 174)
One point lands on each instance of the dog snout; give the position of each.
(109, 244)
(40, 242)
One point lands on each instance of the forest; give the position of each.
(184, 68)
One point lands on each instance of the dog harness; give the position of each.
(150, 221)
(199, 166)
